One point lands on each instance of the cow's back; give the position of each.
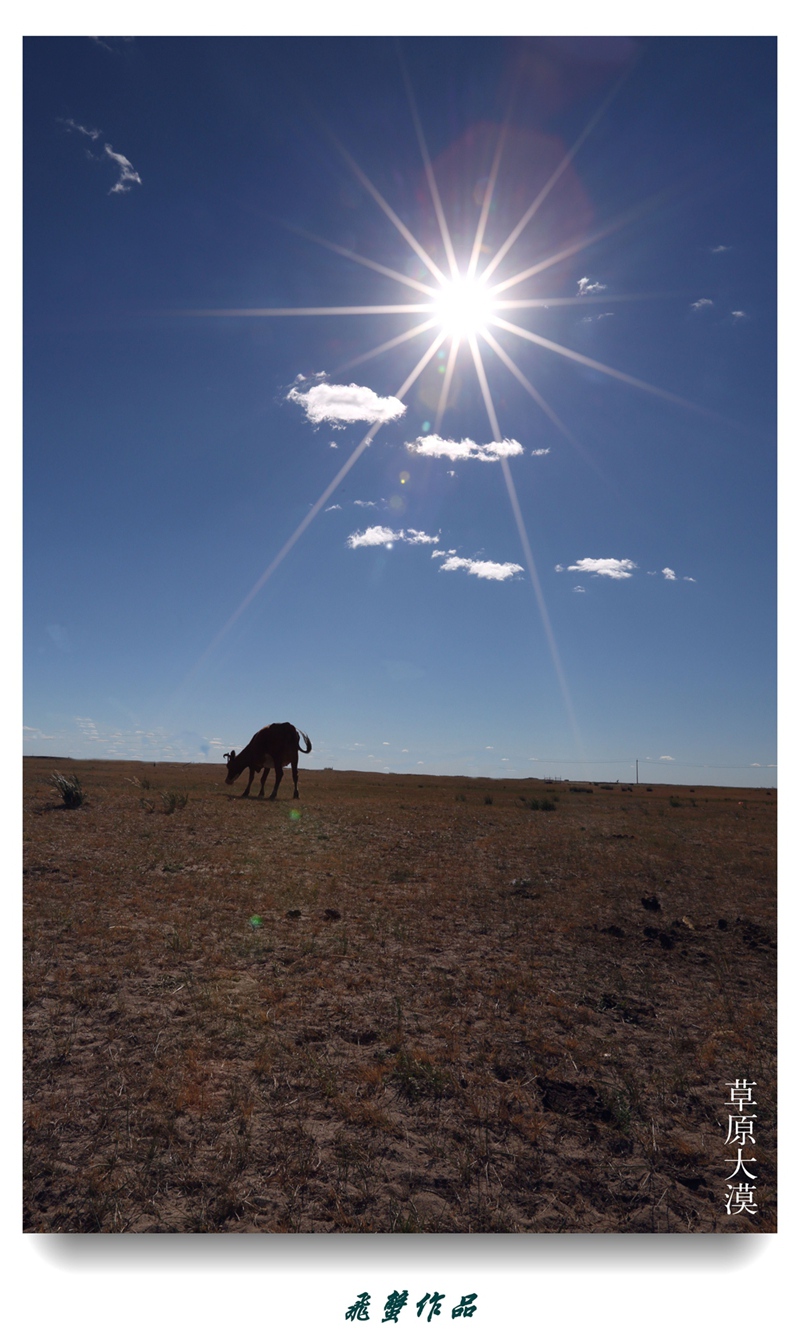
(278, 740)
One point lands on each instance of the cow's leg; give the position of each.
(294, 776)
(249, 782)
(278, 778)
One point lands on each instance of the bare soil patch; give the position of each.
(401, 1004)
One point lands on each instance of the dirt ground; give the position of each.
(401, 1004)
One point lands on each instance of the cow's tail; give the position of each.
(308, 741)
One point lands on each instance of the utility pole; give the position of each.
(637, 770)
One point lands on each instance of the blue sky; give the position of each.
(555, 554)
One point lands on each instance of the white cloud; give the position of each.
(384, 535)
(738, 313)
(617, 568)
(93, 134)
(587, 287)
(703, 303)
(334, 445)
(431, 445)
(334, 507)
(669, 574)
(580, 589)
(341, 404)
(689, 579)
(666, 759)
(721, 249)
(89, 729)
(364, 503)
(482, 568)
(539, 452)
(127, 175)
(373, 535)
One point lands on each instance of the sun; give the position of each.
(463, 308)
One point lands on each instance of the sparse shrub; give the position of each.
(416, 1077)
(580, 789)
(173, 800)
(674, 802)
(69, 787)
(542, 805)
(488, 800)
(461, 798)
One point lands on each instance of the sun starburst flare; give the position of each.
(460, 305)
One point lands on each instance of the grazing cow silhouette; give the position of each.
(270, 749)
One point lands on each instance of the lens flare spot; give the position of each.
(294, 815)
(255, 921)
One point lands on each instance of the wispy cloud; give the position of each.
(703, 303)
(334, 507)
(364, 503)
(666, 759)
(106, 42)
(721, 249)
(479, 567)
(384, 535)
(93, 134)
(539, 452)
(339, 404)
(127, 176)
(88, 728)
(587, 287)
(738, 313)
(616, 568)
(431, 445)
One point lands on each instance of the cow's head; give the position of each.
(228, 758)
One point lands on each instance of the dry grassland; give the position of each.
(420, 1005)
